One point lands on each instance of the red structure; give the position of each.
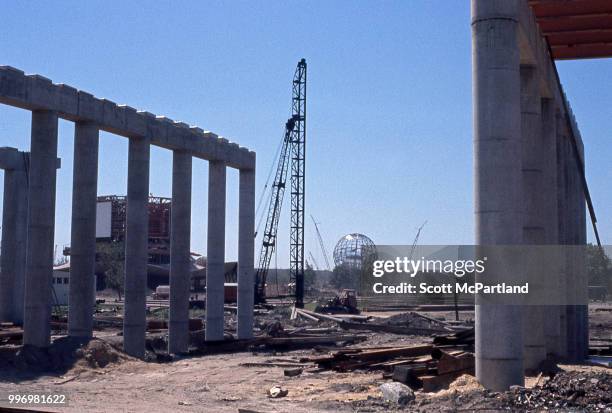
(159, 217)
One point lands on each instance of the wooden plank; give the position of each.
(12, 333)
(449, 363)
(390, 329)
(439, 382)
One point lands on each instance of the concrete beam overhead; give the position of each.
(35, 92)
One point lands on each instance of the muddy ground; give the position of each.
(102, 379)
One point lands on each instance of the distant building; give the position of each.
(111, 227)
(61, 285)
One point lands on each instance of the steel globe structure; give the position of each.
(353, 250)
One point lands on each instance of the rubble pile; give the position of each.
(590, 391)
(63, 354)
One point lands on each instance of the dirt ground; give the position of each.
(231, 382)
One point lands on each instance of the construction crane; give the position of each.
(321, 244)
(291, 155)
(416, 239)
(314, 262)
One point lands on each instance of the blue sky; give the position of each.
(389, 103)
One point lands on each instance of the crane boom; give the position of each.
(268, 245)
(314, 262)
(291, 155)
(298, 183)
(321, 244)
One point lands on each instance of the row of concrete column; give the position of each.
(527, 191)
(34, 221)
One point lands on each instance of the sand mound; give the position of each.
(66, 353)
(98, 354)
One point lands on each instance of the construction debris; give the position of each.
(293, 372)
(372, 358)
(466, 337)
(410, 323)
(397, 393)
(277, 392)
(64, 353)
(568, 391)
(425, 366)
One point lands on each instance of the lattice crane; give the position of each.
(291, 155)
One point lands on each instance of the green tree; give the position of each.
(310, 277)
(599, 267)
(344, 277)
(111, 259)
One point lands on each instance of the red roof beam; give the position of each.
(586, 51)
(572, 24)
(557, 8)
(579, 37)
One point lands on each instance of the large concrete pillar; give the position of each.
(14, 235)
(569, 198)
(563, 231)
(180, 259)
(552, 323)
(582, 293)
(570, 223)
(246, 245)
(498, 179)
(215, 260)
(83, 232)
(41, 229)
(534, 223)
(136, 248)
(584, 308)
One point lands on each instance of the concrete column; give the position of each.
(136, 248)
(534, 232)
(552, 324)
(562, 214)
(582, 293)
(83, 233)
(180, 259)
(246, 245)
(14, 233)
(8, 277)
(568, 211)
(498, 179)
(571, 222)
(215, 260)
(41, 229)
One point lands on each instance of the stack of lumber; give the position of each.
(293, 339)
(10, 334)
(370, 358)
(363, 323)
(466, 337)
(423, 366)
(600, 347)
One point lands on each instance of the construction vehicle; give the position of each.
(291, 156)
(343, 303)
